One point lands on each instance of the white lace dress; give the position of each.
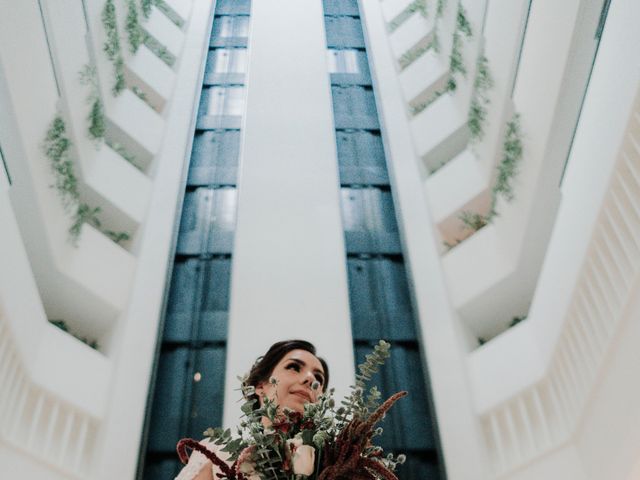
(198, 462)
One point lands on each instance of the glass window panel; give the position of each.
(225, 26)
(234, 101)
(241, 26)
(224, 208)
(349, 61)
(221, 60)
(333, 60)
(225, 100)
(343, 60)
(238, 60)
(215, 104)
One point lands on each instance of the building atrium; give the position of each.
(185, 182)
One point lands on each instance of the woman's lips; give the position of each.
(304, 395)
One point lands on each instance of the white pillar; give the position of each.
(289, 277)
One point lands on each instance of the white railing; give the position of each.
(547, 414)
(36, 421)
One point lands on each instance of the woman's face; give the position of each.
(295, 375)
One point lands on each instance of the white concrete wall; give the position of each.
(289, 275)
(66, 410)
(440, 328)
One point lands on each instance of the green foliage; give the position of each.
(359, 404)
(96, 118)
(56, 147)
(134, 31)
(462, 22)
(122, 151)
(413, 7)
(463, 28)
(413, 54)
(456, 60)
(171, 15)
(472, 220)
(159, 50)
(111, 46)
(480, 100)
(508, 168)
(84, 214)
(145, 6)
(62, 325)
(442, 4)
(516, 320)
(450, 86)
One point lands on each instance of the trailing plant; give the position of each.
(512, 151)
(450, 86)
(134, 30)
(516, 320)
(84, 214)
(456, 61)
(122, 151)
(442, 4)
(508, 167)
(480, 100)
(111, 46)
(168, 11)
(462, 22)
(96, 118)
(62, 325)
(404, 15)
(463, 28)
(159, 50)
(472, 220)
(145, 6)
(56, 147)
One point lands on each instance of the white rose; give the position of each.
(302, 457)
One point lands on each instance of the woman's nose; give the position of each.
(308, 378)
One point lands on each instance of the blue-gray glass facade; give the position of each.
(379, 295)
(188, 390)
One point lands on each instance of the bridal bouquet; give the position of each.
(322, 443)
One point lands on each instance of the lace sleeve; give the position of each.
(197, 462)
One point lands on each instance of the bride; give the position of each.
(290, 374)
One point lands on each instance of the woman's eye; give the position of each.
(320, 379)
(293, 366)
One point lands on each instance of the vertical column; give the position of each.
(289, 277)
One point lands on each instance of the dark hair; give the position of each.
(264, 365)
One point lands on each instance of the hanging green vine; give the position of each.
(413, 54)
(463, 28)
(170, 14)
(159, 50)
(122, 151)
(507, 170)
(111, 46)
(404, 15)
(62, 325)
(134, 31)
(96, 118)
(145, 6)
(509, 166)
(442, 4)
(480, 101)
(456, 61)
(56, 147)
(450, 86)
